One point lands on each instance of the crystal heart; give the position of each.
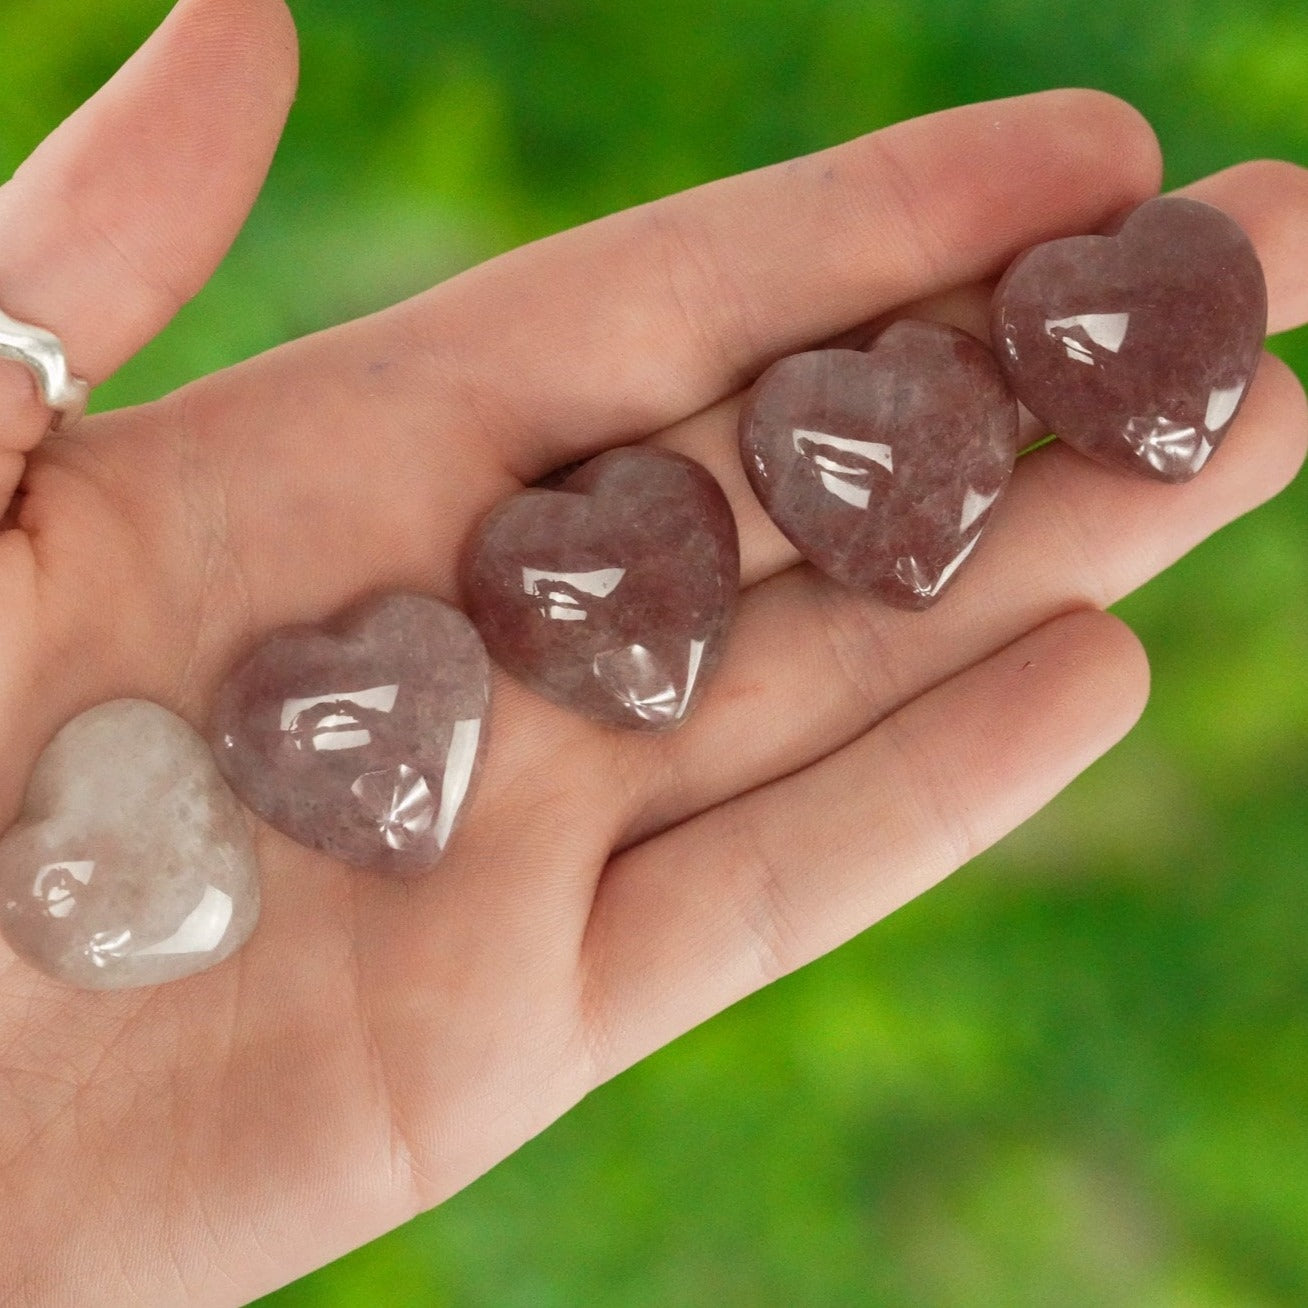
(1137, 348)
(883, 467)
(362, 738)
(611, 594)
(130, 863)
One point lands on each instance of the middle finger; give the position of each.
(1269, 199)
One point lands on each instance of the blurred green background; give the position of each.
(1074, 1074)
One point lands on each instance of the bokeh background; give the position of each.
(1077, 1073)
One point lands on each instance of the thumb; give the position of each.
(123, 213)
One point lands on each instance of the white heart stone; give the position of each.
(130, 863)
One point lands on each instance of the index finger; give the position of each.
(620, 327)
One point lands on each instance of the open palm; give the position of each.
(378, 1044)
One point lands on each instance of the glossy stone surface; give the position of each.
(611, 594)
(130, 863)
(361, 738)
(1137, 348)
(882, 467)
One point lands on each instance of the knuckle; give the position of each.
(709, 306)
(852, 628)
(763, 911)
(903, 213)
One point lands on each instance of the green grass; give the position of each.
(1073, 1075)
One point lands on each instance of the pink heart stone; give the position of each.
(131, 862)
(882, 467)
(611, 594)
(1137, 348)
(362, 738)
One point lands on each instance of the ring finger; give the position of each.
(811, 665)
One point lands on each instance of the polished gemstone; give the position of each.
(1138, 347)
(882, 467)
(611, 594)
(361, 738)
(130, 863)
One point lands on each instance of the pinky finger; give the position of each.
(700, 916)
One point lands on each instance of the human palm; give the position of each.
(378, 1044)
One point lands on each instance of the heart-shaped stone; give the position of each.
(611, 594)
(361, 738)
(1138, 347)
(882, 467)
(130, 863)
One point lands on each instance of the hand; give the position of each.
(377, 1045)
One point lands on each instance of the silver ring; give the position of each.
(43, 354)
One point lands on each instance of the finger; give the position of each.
(648, 315)
(122, 214)
(811, 664)
(1268, 198)
(611, 343)
(702, 915)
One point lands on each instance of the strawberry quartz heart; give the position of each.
(882, 467)
(130, 863)
(362, 738)
(611, 594)
(1137, 348)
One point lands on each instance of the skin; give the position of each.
(376, 1046)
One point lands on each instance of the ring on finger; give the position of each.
(42, 353)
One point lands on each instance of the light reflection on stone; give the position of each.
(1222, 404)
(638, 682)
(108, 947)
(1080, 333)
(335, 721)
(562, 593)
(845, 477)
(1165, 445)
(399, 801)
(926, 582)
(57, 884)
(201, 931)
(975, 503)
(460, 768)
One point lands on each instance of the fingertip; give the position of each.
(1264, 178)
(1122, 663)
(1267, 443)
(1269, 199)
(1076, 157)
(1096, 653)
(1066, 692)
(1115, 137)
(1279, 400)
(1103, 140)
(258, 37)
(246, 51)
